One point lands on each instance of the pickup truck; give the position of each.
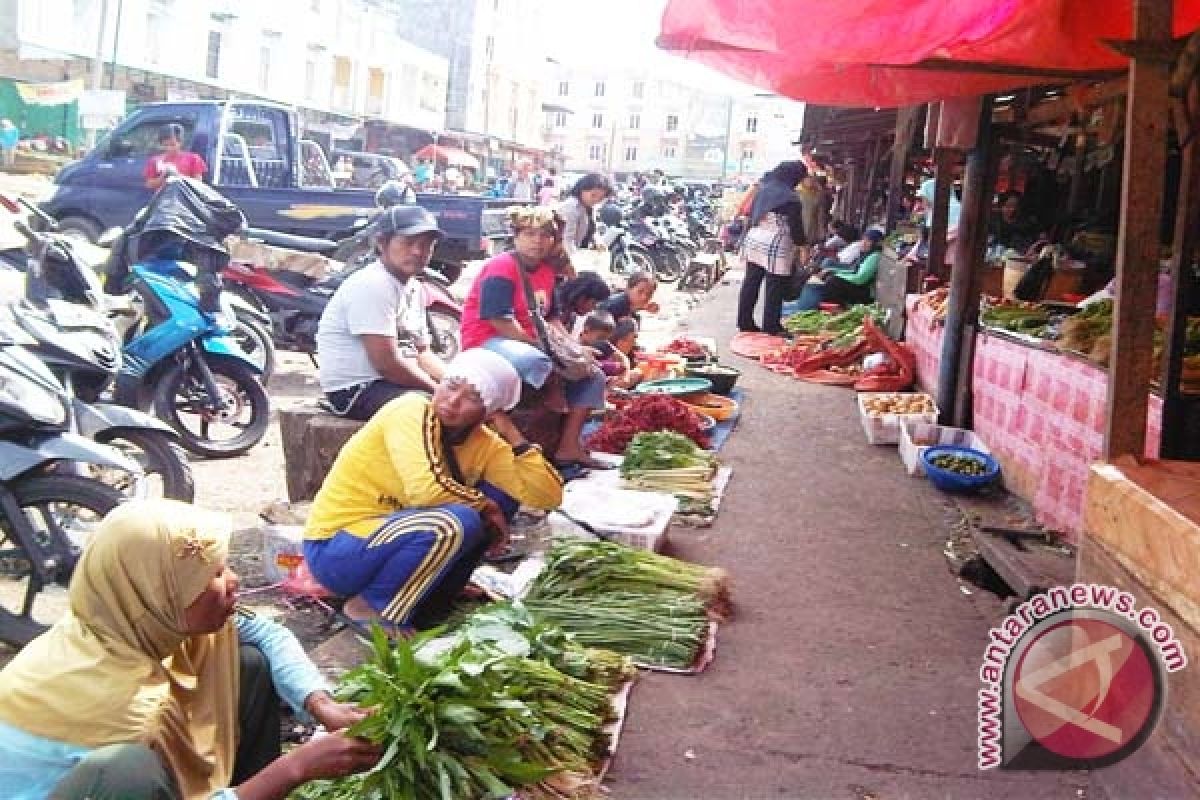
(257, 158)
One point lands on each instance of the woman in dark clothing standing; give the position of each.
(776, 228)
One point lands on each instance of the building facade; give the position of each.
(342, 58)
(621, 122)
(496, 67)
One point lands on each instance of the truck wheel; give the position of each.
(79, 227)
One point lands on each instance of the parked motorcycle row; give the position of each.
(105, 384)
(644, 235)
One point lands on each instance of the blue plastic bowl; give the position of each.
(949, 481)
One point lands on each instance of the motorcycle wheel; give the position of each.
(668, 265)
(180, 397)
(70, 502)
(168, 473)
(256, 342)
(444, 330)
(631, 260)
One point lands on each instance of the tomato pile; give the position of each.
(646, 414)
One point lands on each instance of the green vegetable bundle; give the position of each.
(660, 628)
(669, 462)
(806, 321)
(1032, 321)
(852, 319)
(576, 567)
(467, 716)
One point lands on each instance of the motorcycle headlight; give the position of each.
(33, 401)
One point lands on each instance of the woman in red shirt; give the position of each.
(497, 316)
(173, 160)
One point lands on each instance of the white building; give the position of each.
(628, 121)
(341, 56)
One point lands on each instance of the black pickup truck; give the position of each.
(257, 159)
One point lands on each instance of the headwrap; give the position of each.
(490, 374)
(118, 668)
(520, 217)
(777, 189)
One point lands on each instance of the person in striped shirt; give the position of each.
(419, 495)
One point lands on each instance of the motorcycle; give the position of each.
(81, 347)
(669, 260)
(294, 302)
(47, 512)
(181, 357)
(625, 255)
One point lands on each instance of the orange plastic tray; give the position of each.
(714, 405)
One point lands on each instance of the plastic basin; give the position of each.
(950, 481)
(723, 381)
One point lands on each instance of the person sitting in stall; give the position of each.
(617, 355)
(499, 315)
(578, 297)
(422, 492)
(154, 685)
(578, 212)
(595, 329)
(848, 285)
(1010, 227)
(637, 297)
(363, 361)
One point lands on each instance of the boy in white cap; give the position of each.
(418, 496)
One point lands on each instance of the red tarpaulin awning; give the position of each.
(866, 53)
(451, 155)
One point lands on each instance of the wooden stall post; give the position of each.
(1177, 442)
(872, 178)
(944, 160)
(962, 306)
(1146, 118)
(906, 123)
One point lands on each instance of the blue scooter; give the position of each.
(181, 356)
(186, 363)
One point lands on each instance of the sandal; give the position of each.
(570, 470)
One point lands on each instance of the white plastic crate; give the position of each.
(917, 437)
(885, 428)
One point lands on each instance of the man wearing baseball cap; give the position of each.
(373, 338)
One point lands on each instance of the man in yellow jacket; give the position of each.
(418, 496)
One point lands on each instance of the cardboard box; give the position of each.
(917, 437)
(885, 428)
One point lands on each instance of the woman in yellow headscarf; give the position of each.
(152, 687)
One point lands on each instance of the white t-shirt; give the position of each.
(370, 301)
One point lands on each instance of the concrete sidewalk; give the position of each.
(850, 668)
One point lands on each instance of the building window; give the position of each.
(751, 124)
(342, 70)
(564, 88)
(747, 155)
(635, 122)
(631, 152)
(154, 36)
(639, 89)
(596, 152)
(376, 80)
(599, 88)
(668, 151)
(560, 119)
(310, 80)
(264, 68)
(315, 5)
(597, 120)
(212, 65)
(672, 122)
(489, 46)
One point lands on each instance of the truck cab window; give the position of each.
(141, 141)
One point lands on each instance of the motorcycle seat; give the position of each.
(304, 244)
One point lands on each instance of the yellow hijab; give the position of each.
(118, 668)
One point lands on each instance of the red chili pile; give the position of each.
(646, 414)
(688, 348)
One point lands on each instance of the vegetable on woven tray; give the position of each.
(642, 414)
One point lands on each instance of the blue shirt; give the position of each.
(30, 766)
(9, 137)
